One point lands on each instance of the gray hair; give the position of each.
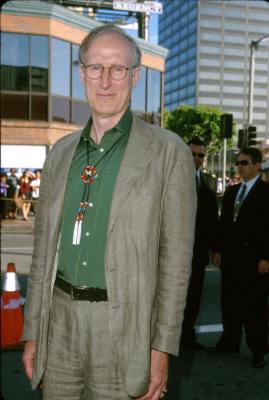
(105, 30)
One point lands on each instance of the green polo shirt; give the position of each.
(83, 264)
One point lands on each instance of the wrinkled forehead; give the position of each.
(110, 42)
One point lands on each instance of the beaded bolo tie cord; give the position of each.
(88, 176)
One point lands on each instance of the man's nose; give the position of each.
(105, 79)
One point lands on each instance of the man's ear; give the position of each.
(136, 76)
(81, 74)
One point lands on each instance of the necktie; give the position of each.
(239, 201)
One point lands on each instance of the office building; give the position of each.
(42, 98)
(209, 56)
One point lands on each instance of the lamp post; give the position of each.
(253, 46)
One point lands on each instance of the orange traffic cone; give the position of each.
(11, 311)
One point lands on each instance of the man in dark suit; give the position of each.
(244, 261)
(205, 234)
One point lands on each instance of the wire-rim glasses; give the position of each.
(117, 72)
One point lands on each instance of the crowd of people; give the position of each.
(19, 193)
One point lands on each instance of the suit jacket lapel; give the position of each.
(250, 194)
(137, 155)
(60, 170)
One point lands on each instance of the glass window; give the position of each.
(138, 101)
(234, 52)
(15, 62)
(193, 27)
(14, 105)
(211, 11)
(209, 75)
(233, 64)
(192, 40)
(183, 44)
(210, 62)
(183, 80)
(77, 86)
(182, 92)
(192, 65)
(234, 77)
(39, 63)
(154, 92)
(39, 107)
(191, 90)
(209, 88)
(233, 102)
(60, 109)
(209, 101)
(210, 50)
(183, 69)
(80, 112)
(183, 57)
(192, 52)
(60, 67)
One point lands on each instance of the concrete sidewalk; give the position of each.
(20, 233)
(17, 226)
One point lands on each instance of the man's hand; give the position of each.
(28, 357)
(158, 376)
(216, 259)
(263, 267)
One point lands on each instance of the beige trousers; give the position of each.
(81, 365)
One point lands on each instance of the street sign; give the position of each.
(149, 7)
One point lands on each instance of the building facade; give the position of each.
(209, 56)
(42, 98)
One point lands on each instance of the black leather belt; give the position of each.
(81, 292)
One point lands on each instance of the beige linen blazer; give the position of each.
(148, 250)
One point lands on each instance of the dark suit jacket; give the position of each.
(244, 242)
(206, 222)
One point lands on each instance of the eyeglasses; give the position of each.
(243, 162)
(117, 72)
(200, 155)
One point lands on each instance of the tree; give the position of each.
(196, 121)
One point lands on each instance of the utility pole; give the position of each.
(253, 47)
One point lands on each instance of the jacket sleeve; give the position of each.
(175, 253)
(41, 237)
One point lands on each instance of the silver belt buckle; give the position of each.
(75, 292)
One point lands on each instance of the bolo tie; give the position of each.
(88, 176)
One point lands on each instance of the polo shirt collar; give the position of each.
(123, 126)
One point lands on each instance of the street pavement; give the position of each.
(17, 244)
(193, 375)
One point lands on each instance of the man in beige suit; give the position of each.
(113, 243)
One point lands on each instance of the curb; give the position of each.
(17, 226)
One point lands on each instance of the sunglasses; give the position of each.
(200, 155)
(243, 162)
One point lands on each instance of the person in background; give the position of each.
(26, 193)
(243, 257)
(35, 185)
(13, 184)
(3, 196)
(206, 224)
(113, 242)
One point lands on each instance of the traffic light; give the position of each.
(242, 138)
(226, 126)
(252, 135)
